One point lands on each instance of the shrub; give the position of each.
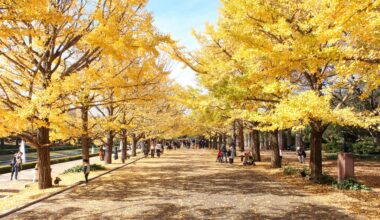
(290, 170)
(325, 179)
(350, 184)
(29, 165)
(79, 168)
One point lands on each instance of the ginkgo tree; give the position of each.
(44, 42)
(285, 61)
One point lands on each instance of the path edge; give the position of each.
(5, 214)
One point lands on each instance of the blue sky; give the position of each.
(179, 18)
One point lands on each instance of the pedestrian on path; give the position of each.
(158, 149)
(232, 154)
(86, 169)
(35, 172)
(219, 157)
(101, 155)
(115, 154)
(15, 164)
(152, 148)
(224, 153)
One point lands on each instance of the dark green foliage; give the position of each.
(290, 170)
(29, 165)
(350, 184)
(325, 179)
(79, 168)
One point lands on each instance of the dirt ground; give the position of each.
(191, 185)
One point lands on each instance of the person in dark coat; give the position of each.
(115, 154)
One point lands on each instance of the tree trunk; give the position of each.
(124, 145)
(134, 145)
(281, 140)
(43, 159)
(220, 141)
(299, 142)
(241, 135)
(276, 159)
(234, 139)
(109, 146)
(214, 142)
(256, 145)
(85, 139)
(2, 142)
(289, 142)
(317, 130)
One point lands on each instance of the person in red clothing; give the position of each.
(101, 155)
(219, 156)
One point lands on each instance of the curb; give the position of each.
(5, 214)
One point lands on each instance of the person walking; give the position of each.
(224, 153)
(86, 169)
(35, 172)
(115, 154)
(101, 155)
(158, 149)
(152, 148)
(15, 164)
(232, 154)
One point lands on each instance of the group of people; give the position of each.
(16, 164)
(102, 153)
(156, 149)
(226, 155)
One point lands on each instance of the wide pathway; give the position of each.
(183, 185)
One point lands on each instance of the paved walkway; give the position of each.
(183, 184)
(25, 177)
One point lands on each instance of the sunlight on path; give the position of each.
(182, 185)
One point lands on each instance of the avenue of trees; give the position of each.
(271, 66)
(97, 71)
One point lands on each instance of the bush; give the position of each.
(29, 165)
(325, 179)
(79, 168)
(350, 184)
(290, 170)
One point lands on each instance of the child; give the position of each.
(219, 157)
(86, 169)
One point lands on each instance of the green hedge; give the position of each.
(5, 151)
(29, 165)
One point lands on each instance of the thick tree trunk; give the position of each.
(85, 139)
(124, 145)
(2, 142)
(281, 140)
(109, 146)
(276, 159)
(256, 145)
(289, 142)
(317, 130)
(43, 159)
(134, 144)
(240, 135)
